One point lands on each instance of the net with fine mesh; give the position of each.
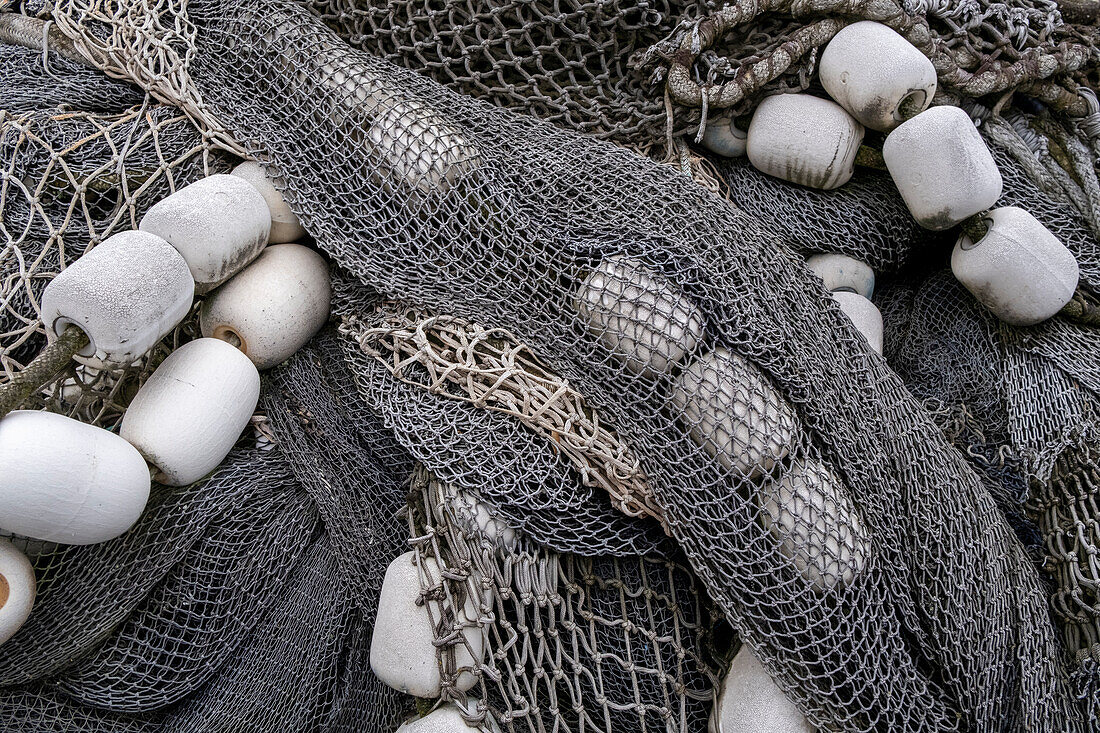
(534, 323)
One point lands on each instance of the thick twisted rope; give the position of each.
(42, 369)
(1032, 69)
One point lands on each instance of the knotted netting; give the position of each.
(467, 361)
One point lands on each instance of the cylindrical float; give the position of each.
(804, 139)
(285, 226)
(818, 528)
(732, 410)
(749, 701)
(68, 482)
(126, 294)
(723, 137)
(187, 416)
(639, 315)
(219, 224)
(17, 587)
(877, 75)
(1019, 270)
(942, 167)
(272, 307)
(402, 653)
(864, 315)
(843, 273)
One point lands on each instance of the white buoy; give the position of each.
(864, 315)
(415, 145)
(219, 224)
(273, 307)
(285, 226)
(749, 701)
(471, 509)
(187, 416)
(723, 137)
(942, 167)
(1019, 270)
(872, 72)
(817, 526)
(17, 587)
(843, 273)
(732, 410)
(126, 294)
(402, 654)
(68, 482)
(444, 719)
(639, 315)
(804, 139)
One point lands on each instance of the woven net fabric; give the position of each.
(247, 601)
(71, 179)
(563, 614)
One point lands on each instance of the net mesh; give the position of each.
(879, 551)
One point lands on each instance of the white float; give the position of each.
(724, 138)
(126, 294)
(942, 167)
(402, 654)
(1019, 270)
(219, 224)
(864, 316)
(817, 526)
(474, 514)
(415, 144)
(843, 273)
(639, 315)
(285, 226)
(805, 140)
(273, 307)
(749, 701)
(444, 719)
(732, 410)
(17, 586)
(187, 416)
(68, 482)
(872, 72)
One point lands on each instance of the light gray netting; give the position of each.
(563, 615)
(899, 594)
(569, 64)
(504, 233)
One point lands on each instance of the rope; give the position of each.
(55, 357)
(1082, 309)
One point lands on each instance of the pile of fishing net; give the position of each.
(470, 170)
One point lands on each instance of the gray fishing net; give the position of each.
(938, 572)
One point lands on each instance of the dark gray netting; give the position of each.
(246, 602)
(865, 218)
(61, 84)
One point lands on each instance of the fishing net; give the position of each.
(478, 360)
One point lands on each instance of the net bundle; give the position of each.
(471, 359)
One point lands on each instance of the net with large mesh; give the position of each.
(533, 320)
